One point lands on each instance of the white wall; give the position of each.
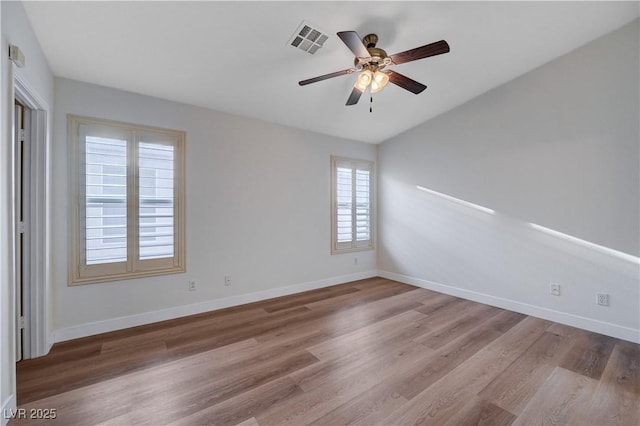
(15, 30)
(257, 209)
(558, 147)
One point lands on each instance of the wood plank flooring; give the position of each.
(368, 352)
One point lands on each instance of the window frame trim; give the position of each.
(354, 246)
(79, 274)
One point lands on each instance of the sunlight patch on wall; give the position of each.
(457, 200)
(588, 244)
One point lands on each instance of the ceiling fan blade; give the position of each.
(405, 82)
(437, 48)
(325, 77)
(354, 97)
(354, 43)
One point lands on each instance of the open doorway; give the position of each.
(22, 254)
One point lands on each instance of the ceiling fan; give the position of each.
(373, 65)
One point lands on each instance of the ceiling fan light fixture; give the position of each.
(371, 63)
(379, 81)
(364, 80)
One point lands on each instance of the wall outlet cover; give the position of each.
(602, 299)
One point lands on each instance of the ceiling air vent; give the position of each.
(308, 37)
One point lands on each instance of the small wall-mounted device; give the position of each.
(16, 55)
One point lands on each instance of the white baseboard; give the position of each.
(50, 340)
(8, 409)
(113, 324)
(609, 329)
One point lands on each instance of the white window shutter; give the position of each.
(156, 201)
(351, 186)
(129, 185)
(105, 209)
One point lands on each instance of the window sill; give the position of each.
(351, 250)
(74, 281)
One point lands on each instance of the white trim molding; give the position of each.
(39, 220)
(590, 324)
(105, 326)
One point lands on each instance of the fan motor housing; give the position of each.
(377, 55)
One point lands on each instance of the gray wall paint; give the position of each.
(558, 147)
(257, 206)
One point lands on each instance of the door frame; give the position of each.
(38, 288)
(21, 120)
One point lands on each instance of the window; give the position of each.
(351, 206)
(128, 188)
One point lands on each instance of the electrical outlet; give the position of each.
(554, 289)
(192, 286)
(227, 280)
(602, 299)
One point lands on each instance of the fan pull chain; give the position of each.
(371, 104)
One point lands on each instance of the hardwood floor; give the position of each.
(369, 352)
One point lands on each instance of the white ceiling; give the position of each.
(234, 57)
